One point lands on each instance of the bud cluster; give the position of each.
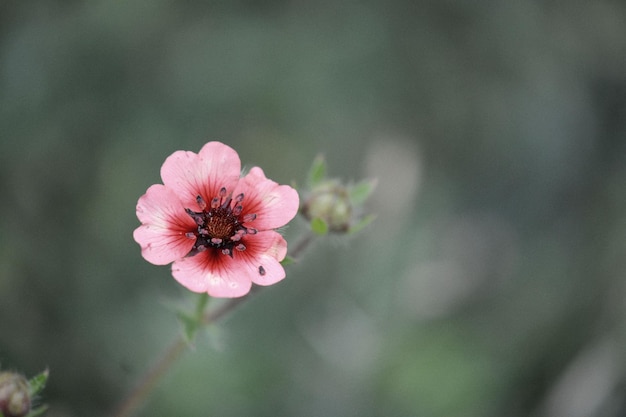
(331, 206)
(329, 202)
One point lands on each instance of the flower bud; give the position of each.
(14, 395)
(330, 202)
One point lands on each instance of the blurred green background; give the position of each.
(491, 283)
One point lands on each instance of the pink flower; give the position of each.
(216, 227)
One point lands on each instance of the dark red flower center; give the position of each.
(220, 224)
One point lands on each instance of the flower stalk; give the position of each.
(147, 383)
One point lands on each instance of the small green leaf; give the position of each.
(361, 224)
(38, 382)
(319, 226)
(317, 173)
(360, 192)
(190, 326)
(287, 261)
(192, 321)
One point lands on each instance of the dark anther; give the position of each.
(261, 270)
(201, 202)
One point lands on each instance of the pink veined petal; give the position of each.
(274, 272)
(275, 205)
(263, 254)
(189, 174)
(212, 272)
(164, 224)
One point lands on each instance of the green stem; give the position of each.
(173, 352)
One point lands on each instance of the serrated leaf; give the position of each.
(319, 226)
(317, 173)
(361, 224)
(360, 192)
(38, 382)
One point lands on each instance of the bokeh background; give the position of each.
(490, 284)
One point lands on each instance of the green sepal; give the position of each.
(317, 173)
(37, 383)
(361, 224)
(319, 226)
(287, 261)
(361, 191)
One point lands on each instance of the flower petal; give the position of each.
(214, 273)
(275, 205)
(189, 174)
(263, 254)
(162, 234)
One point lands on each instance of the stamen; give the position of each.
(261, 270)
(238, 235)
(197, 217)
(226, 203)
(249, 217)
(201, 202)
(220, 226)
